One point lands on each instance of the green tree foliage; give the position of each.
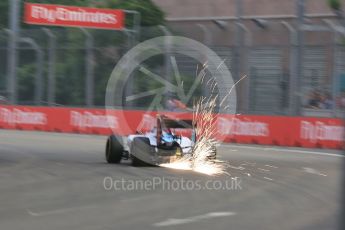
(3, 14)
(335, 4)
(151, 15)
(70, 54)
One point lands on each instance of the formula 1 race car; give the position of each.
(160, 145)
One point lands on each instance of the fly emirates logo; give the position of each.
(66, 14)
(321, 131)
(17, 116)
(90, 120)
(240, 127)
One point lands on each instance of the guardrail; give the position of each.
(309, 132)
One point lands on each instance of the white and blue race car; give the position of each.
(159, 145)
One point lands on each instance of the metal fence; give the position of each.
(269, 55)
(71, 66)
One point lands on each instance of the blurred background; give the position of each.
(293, 52)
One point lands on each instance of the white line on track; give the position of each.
(308, 152)
(70, 209)
(313, 171)
(210, 215)
(247, 174)
(271, 166)
(267, 178)
(46, 213)
(236, 167)
(290, 150)
(265, 170)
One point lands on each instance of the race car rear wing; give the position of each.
(178, 124)
(164, 122)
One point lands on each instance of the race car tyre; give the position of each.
(114, 150)
(140, 147)
(138, 163)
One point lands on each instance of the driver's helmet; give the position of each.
(167, 137)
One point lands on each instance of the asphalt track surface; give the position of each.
(56, 181)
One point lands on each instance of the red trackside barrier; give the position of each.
(306, 132)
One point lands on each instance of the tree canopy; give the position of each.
(335, 4)
(108, 47)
